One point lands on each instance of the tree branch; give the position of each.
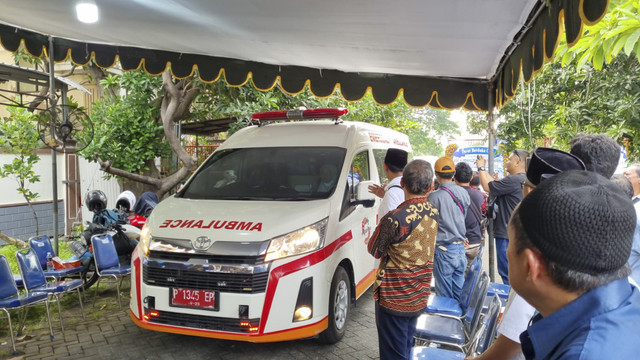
(169, 114)
(70, 72)
(106, 167)
(17, 242)
(98, 74)
(183, 109)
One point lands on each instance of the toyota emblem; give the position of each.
(201, 243)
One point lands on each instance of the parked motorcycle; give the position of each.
(113, 222)
(141, 209)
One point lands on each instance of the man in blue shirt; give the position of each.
(570, 241)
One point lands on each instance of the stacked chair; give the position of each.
(11, 299)
(482, 338)
(443, 305)
(34, 280)
(452, 331)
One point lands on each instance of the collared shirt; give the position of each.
(634, 257)
(515, 319)
(405, 242)
(393, 196)
(451, 227)
(600, 324)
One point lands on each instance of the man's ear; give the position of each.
(402, 183)
(536, 265)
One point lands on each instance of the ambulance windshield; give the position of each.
(273, 173)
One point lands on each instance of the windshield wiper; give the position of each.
(299, 198)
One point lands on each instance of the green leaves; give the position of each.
(20, 138)
(126, 128)
(569, 101)
(618, 31)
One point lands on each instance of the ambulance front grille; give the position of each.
(209, 258)
(202, 322)
(200, 280)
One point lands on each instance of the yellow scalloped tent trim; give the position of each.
(502, 97)
(561, 32)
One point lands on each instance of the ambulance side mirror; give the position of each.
(363, 196)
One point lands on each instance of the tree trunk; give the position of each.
(17, 242)
(35, 217)
(174, 107)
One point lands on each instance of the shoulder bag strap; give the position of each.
(455, 199)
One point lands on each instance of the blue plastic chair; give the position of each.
(41, 245)
(489, 329)
(107, 262)
(446, 306)
(454, 332)
(10, 299)
(502, 290)
(482, 338)
(35, 281)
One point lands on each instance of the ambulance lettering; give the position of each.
(215, 224)
(379, 138)
(187, 223)
(399, 142)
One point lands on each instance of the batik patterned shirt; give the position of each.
(405, 242)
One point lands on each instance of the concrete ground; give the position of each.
(109, 333)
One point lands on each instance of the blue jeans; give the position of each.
(503, 263)
(448, 270)
(395, 335)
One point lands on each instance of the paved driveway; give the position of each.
(114, 336)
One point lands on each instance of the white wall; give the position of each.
(8, 193)
(92, 178)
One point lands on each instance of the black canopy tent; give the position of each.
(427, 70)
(445, 54)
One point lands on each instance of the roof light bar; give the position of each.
(300, 114)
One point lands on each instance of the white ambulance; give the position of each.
(266, 241)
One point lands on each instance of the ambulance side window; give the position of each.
(378, 157)
(358, 171)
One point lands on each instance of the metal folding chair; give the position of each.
(107, 262)
(446, 306)
(488, 328)
(41, 245)
(483, 336)
(35, 282)
(453, 332)
(11, 299)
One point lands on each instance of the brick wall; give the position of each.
(18, 222)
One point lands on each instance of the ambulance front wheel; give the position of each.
(338, 307)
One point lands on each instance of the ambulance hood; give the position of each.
(236, 221)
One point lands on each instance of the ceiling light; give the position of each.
(87, 11)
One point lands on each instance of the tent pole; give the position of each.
(491, 157)
(54, 165)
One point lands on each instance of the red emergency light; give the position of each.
(299, 114)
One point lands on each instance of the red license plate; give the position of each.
(201, 299)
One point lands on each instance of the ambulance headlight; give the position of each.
(145, 239)
(297, 242)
